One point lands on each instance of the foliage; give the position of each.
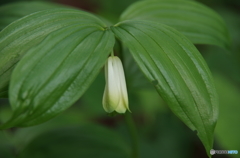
(51, 54)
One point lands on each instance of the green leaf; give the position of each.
(197, 22)
(179, 72)
(85, 141)
(13, 11)
(54, 74)
(23, 34)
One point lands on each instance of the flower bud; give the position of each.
(115, 97)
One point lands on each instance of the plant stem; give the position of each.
(133, 134)
(112, 54)
(128, 118)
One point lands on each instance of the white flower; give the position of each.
(115, 97)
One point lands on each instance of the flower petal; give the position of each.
(111, 95)
(123, 104)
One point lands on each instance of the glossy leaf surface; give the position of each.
(171, 62)
(55, 73)
(25, 33)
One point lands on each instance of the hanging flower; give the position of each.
(115, 97)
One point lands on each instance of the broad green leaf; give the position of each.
(86, 141)
(179, 72)
(13, 11)
(54, 74)
(197, 22)
(23, 34)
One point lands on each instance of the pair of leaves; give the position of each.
(64, 49)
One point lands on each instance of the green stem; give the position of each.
(133, 134)
(128, 118)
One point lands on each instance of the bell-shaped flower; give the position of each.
(115, 97)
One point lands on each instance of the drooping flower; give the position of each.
(115, 97)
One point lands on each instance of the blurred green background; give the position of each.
(85, 130)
